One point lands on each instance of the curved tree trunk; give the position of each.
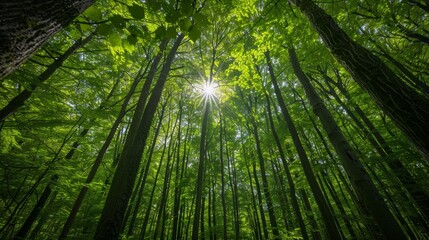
(25, 25)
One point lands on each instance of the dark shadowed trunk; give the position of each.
(26, 25)
(126, 172)
(359, 177)
(406, 107)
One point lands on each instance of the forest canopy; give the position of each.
(202, 119)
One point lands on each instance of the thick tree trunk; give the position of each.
(145, 173)
(416, 191)
(405, 106)
(359, 177)
(126, 172)
(25, 25)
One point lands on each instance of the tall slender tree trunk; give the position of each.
(257, 223)
(292, 189)
(26, 25)
(44, 216)
(267, 194)
(160, 221)
(260, 201)
(26, 227)
(46, 192)
(328, 218)
(339, 204)
(143, 228)
(408, 109)
(200, 176)
(180, 171)
(310, 215)
(145, 173)
(359, 177)
(126, 172)
(222, 178)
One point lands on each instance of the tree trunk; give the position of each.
(25, 25)
(359, 177)
(406, 107)
(19, 100)
(200, 176)
(149, 205)
(310, 215)
(222, 177)
(267, 194)
(292, 189)
(26, 227)
(328, 218)
(415, 190)
(126, 172)
(78, 202)
(257, 224)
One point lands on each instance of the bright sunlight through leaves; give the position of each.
(208, 90)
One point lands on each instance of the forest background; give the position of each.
(238, 119)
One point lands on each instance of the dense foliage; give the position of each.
(107, 132)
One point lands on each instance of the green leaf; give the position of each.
(105, 29)
(201, 19)
(172, 16)
(194, 34)
(171, 32)
(115, 39)
(132, 39)
(185, 25)
(135, 31)
(118, 21)
(94, 14)
(136, 11)
(160, 32)
(85, 27)
(186, 8)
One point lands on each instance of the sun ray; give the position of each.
(208, 90)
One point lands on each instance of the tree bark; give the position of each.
(20, 99)
(26, 227)
(200, 176)
(292, 189)
(416, 191)
(359, 177)
(328, 218)
(406, 107)
(25, 25)
(126, 172)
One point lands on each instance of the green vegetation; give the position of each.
(239, 119)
